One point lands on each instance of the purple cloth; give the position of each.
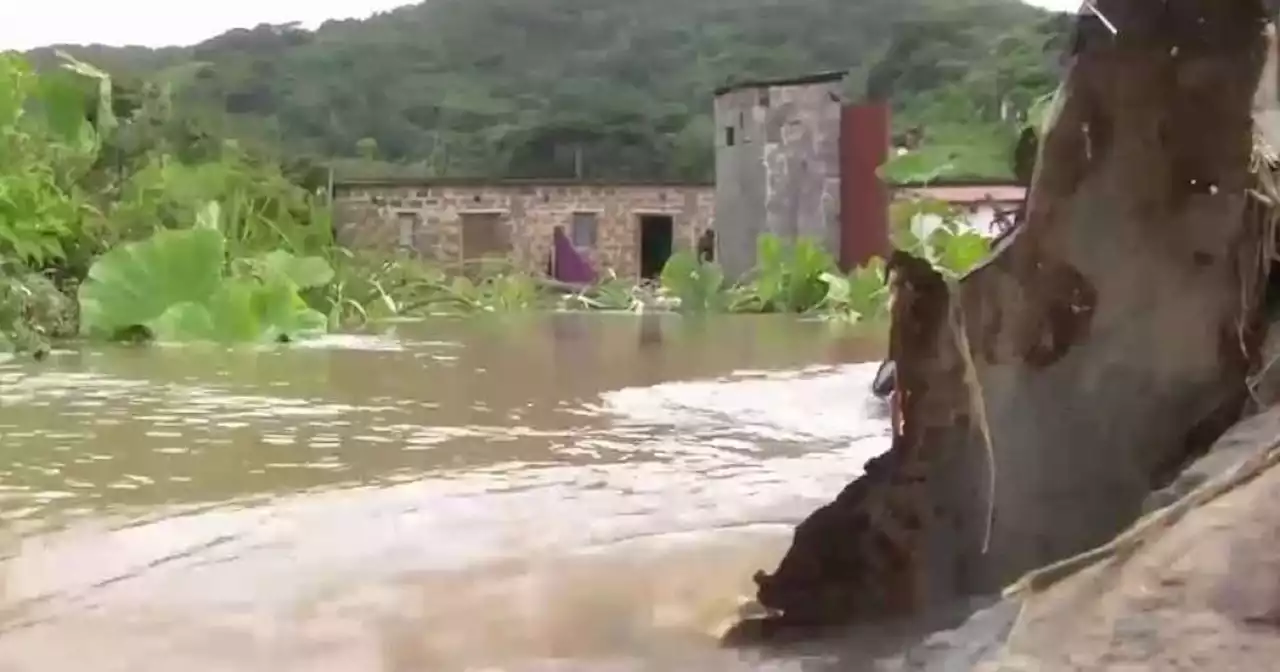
(569, 266)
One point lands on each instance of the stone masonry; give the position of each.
(777, 165)
(426, 217)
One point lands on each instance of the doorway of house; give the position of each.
(657, 236)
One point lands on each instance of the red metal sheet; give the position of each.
(864, 197)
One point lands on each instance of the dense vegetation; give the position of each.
(127, 211)
(126, 227)
(620, 88)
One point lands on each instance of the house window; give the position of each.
(585, 229)
(408, 223)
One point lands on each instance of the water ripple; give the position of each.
(391, 499)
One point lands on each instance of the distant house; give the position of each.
(989, 207)
(630, 228)
(794, 159)
(777, 164)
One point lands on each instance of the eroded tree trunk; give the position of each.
(1110, 335)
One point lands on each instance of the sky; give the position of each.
(25, 24)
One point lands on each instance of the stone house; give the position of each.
(629, 228)
(794, 159)
(989, 207)
(777, 164)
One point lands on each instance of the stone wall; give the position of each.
(426, 217)
(777, 165)
(802, 163)
(740, 180)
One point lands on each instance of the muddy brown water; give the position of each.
(563, 492)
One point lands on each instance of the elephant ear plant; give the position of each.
(177, 286)
(698, 286)
(861, 296)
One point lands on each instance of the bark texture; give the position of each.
(1197, 588)
(1110, 335)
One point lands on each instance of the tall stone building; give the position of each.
(777, 164)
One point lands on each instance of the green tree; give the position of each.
(605, 88)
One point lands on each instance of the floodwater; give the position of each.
(563, 492)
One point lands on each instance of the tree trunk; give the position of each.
(1107, 340)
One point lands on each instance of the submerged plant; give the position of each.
(862, 295)
(789, 276)
(177, 286)
(33, 311)
(173, 237)
(495, 293)
(697, 286)
(611, 294)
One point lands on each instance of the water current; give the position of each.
(560, 492)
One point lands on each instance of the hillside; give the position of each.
(517, 87)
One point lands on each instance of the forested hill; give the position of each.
(517, 87)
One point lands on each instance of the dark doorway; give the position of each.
(657, 234)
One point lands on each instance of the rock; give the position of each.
(1203, 593)
(962, 649)
(1235, 447)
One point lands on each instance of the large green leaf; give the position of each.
(862, 295)
(282, 315)
(62, 100)
(135, 284)
(698, 285)
(106, 115)
(174, 285)
(303, 272)
(959, 252)
(868, 292)
(805, 266)
(184, 321)
(242, 310)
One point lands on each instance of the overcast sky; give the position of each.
(31, 23)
